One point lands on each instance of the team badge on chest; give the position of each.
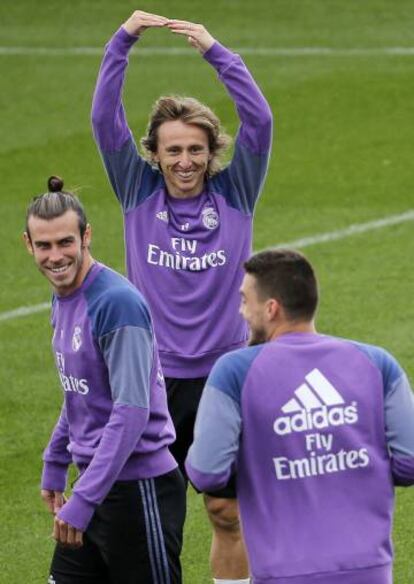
(210, 218)
(77, 338)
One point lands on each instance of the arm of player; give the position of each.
(108, 116)
(56, 460)
(399, 426)
(248, 168)
(129, 355)
(125, 168)
(212, 456)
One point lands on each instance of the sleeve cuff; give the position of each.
(54, 476)
(122, 41)
(219, 56)
(77, 512)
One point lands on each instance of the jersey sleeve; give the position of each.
(124, 335)
(56, 457)
(212, 458)
(131, 177)
(242, 181)
(398, 413)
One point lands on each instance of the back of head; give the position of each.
(189, 111)
(287, 276)
(55, 203)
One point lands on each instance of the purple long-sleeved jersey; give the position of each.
(319, 430)
(186, 255)
(114, 424)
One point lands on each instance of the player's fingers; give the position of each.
(183, 25)
(149, 16)
(79, 538)
(55, 533)
(62, 532)
(72, 537)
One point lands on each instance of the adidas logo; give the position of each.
(163, 216)
(316, 404)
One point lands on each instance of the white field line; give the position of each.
(175, 51)
(349, 231)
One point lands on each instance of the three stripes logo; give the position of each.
(316, 404)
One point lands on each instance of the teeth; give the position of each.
(59, 270)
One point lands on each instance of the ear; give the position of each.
(87, 237)
(273, 308)
(28, 243)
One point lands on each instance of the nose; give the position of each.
(55, 255)
(185, 160)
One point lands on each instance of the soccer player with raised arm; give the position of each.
(188, 229)
(320, 429)
(123, 521)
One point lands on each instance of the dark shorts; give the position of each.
(135, 535)
(183, 398)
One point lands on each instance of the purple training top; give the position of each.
(114, 423)
(319, 430)
(186, 255)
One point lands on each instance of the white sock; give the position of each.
(242, 581)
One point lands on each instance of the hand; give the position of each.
(140, 21)
(66, 534)
(54, 500)
(197, 35)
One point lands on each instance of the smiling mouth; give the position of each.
(185, 174)
(59, 269)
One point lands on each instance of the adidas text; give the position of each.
(316, 419)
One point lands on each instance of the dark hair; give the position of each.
(189, 111)
(287, 276)
(55, 203)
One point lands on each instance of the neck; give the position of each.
(286, 327)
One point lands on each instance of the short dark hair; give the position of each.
(55, 203)
(189, 111)
(287, 276)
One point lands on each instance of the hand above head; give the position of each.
(139, 21)
(198, 36)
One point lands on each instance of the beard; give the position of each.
(256, 337)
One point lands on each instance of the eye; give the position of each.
(66, 242)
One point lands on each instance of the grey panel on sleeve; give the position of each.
(216, 433)
(128, 354)
(399, 417)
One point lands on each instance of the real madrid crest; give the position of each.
(210, 218)
(77, 338)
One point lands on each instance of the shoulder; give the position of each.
(230, 371)
(113, 303)
(386, 363)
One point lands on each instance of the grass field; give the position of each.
(342, 155)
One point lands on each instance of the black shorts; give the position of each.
(135, 535)
(183, 398)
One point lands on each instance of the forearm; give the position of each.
(119, 439)
(399, 422)
(109, 123)
(56, 457)
(253, 110)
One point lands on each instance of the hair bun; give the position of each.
(54, 184)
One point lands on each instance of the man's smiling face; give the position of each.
(60, 253)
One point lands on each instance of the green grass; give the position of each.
(342, 155)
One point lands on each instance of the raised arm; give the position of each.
(127, 171)
(108, 116)
(247, 171)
